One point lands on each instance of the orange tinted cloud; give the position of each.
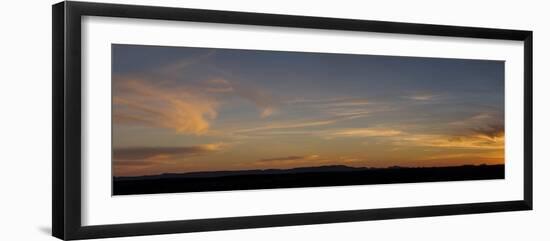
(140, 153)
(180, 109)
(348, 102)
(474, 141)
(289, 125)
(134, 160)
(366, 132)
(297, 124)
(262, 99)
(422, 97)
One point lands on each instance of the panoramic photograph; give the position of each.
(190, 119)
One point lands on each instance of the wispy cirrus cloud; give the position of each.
(491, 131)
(188, 109)
(143, 153)
(365, 132)
(467, 141)
(297, 124)
(219, 85)
(489, 137)
(349, 102)
(477, 119)
(331, 102)
(176, 68)
(288, 125)
(131, 161)
(180, 109)
(349, 112)
(422, 97)
(264, 101)
(484, 125)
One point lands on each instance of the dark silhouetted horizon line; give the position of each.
(268, 171)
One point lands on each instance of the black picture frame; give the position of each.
(66, 168)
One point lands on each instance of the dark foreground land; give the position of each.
(298, 177)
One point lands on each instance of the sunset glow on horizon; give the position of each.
(184, 109)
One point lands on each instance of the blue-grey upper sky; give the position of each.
(179, 109)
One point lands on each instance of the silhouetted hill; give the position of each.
(330, 168)
(334, 175)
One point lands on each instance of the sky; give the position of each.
(186, 109)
